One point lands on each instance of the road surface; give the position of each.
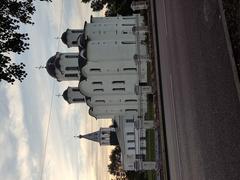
(200, 98)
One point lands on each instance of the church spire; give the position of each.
(105, 136)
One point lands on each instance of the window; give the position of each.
(75, 89)
(128, 17)
(128, 24)
(98, 90)
(130, 69)
(131, 141)
(129, 120)
(131, 110)
(71, 75)
(142, 148)
(131, 148)
(118, 89)
(97, 82)
(130, 100)
(118, 82)
(130, 133)
(100, 101)
(78, 100)
(71, 56)
(74, 42)
(95, 69)
(77, 31)
(128, 42)
(72, 68)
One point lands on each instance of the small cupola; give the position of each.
(64, 66)
(53, 65)
(72, 37)
(73, 95)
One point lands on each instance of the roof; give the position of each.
(50, 66)
(82, 60)
(64, 37)
(65, 95)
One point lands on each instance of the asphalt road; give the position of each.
(200, 99)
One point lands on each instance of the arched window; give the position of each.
(98, 90)
(118, 82)
(131, 100)
(131, 110)
(130, 133)
(76, 89)
(129, 120)
(71, 56)
(72, 68)
(71, 75)
(131, 148)
(78, 100)
(128, 17)
(131, 141)
(97, 82)
(77, 31)
(128, 24)
(100, 101)
(130, 69)
(95, 69)
(118, 89)
(128, 42)
(74, 42)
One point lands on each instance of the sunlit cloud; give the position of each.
(26, 108)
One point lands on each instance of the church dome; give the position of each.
(83, 41)
(65, 95)
(82, 60)
(64, 37)
(50, 66)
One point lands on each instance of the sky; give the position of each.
(26, 108)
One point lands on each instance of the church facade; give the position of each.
(112, 70)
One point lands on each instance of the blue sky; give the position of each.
(25, 109)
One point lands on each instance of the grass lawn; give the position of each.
(150, 140)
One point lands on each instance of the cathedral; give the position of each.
(111, 66)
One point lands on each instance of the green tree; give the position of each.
(14, 13)
(113, 7)
(115, 161)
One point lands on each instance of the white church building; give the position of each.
(111, 68)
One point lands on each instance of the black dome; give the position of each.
(50, 66)
(83, 41)
(65, 95)
(82, 60)
(82, 78)
(64, 37)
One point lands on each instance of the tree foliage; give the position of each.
(113, 7)
(14, 13)
(115, 159)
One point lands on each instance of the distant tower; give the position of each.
(73, 95)
(105, 136)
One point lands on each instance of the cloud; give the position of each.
(17, 132)
(25, 110)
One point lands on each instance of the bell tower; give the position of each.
(105, 136)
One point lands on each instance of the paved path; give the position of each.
(200, 98)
